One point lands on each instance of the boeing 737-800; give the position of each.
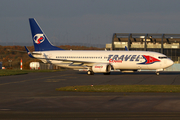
(94, 61)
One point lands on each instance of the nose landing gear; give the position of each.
(157, 73)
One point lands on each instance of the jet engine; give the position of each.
(101, 68)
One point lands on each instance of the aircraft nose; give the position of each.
(170, 62)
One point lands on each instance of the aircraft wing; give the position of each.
(74, 61)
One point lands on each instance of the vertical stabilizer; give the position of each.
(41, 42)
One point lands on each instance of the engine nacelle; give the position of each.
(101, 68)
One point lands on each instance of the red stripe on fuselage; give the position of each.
(150, 59)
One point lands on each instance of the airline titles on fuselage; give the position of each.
(144, 59)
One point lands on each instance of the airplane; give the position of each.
(93, 61)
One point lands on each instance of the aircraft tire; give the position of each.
(157, 73)
(90, 72)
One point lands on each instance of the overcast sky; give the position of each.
(87, 21)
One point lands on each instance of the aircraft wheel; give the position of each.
(90, 72)
(157, 73)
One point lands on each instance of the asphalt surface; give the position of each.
(33, 96)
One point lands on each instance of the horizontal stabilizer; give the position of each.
(29, 53)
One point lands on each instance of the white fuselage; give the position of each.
(123, 60)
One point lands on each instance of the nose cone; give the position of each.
(170, 62)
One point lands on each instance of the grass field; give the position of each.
(124, 88)
(19, 72)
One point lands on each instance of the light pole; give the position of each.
(10, 63)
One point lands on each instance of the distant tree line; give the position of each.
(11, 56)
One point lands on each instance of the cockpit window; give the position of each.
(164, 57)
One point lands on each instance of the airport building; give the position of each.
(168, 44)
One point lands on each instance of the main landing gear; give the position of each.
(90, 72)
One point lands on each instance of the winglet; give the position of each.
(29, 53)
(126, 48)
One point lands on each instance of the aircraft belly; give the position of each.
(154, 66)
(129, 65)
(67, 65)
(126, 65)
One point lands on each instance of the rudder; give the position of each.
(41, 42)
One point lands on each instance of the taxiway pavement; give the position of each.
(33, 96)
